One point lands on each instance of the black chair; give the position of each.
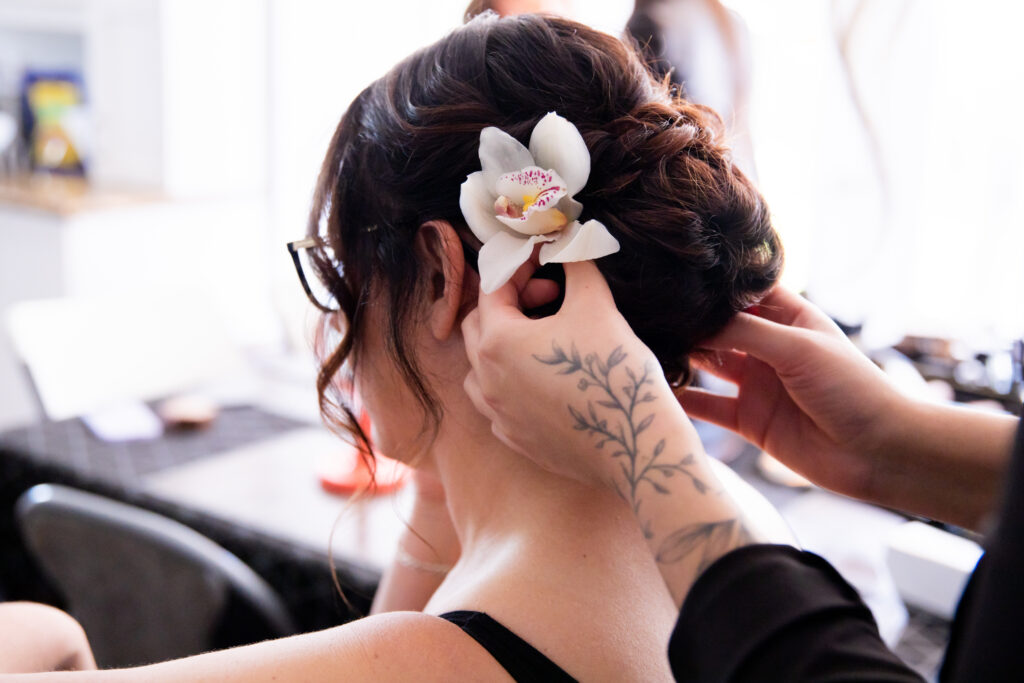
(144, 587)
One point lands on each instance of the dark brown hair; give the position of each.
(697, 242)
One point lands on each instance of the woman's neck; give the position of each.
(513, 517)
(538, 548)
(496, 495)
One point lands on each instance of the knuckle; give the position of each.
(491, 350)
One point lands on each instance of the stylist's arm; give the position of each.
(581, 395)
(809, 397)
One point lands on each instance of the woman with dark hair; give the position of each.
(394, 207)
(703, 48)
(441, 177)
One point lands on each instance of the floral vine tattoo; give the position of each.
(613, 413)
(712, 539)
(613, 419)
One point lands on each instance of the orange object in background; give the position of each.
(348, 471)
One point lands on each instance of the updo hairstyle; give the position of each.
(697, 244)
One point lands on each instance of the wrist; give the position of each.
(887, 444)
(940, 448)
(688, 530)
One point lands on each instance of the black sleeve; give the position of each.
(985, 643)
(774, 613)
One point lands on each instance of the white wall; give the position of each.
(322, 54)
(31, 270)
(215, 98)
(931, 245)
(38, 50)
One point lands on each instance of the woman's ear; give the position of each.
(440, 250)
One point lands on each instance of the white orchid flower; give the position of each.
(525, 196)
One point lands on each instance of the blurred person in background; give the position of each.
(508, 8)
(703, 48)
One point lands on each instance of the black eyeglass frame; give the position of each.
(470, 254)
(293, 249)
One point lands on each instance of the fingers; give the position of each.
(780, 305)
(786, 329)
(770, 342)
(472, 388)
(786, 307)
(719, 410)
(504, 301)
(508, 294)
(585, 285)
(505, 439)
(522, 276)
(727, 365)
(471, 337)
(538, 292)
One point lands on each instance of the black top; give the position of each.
(773, 613)
(985, 643)
(521, 660)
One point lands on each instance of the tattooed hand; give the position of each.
(615, 414)
(528, 372)
(581, 395)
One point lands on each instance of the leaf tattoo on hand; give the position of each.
(613, 418)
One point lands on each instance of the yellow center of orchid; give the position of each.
(551, 221)
(528, 200)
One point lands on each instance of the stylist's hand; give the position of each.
(807, 395)
(527, 399)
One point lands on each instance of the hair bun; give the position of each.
(696, 235)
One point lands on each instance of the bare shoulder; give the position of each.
(397, 646)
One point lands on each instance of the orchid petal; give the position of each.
(580, 243)
(477, 203)
(556, 143)
(500, 153)
(501, 256)
(570, 207)
(536, 222)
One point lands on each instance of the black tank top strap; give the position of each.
(522, 661)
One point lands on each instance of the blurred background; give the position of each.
(185, 136)
(156, 156)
